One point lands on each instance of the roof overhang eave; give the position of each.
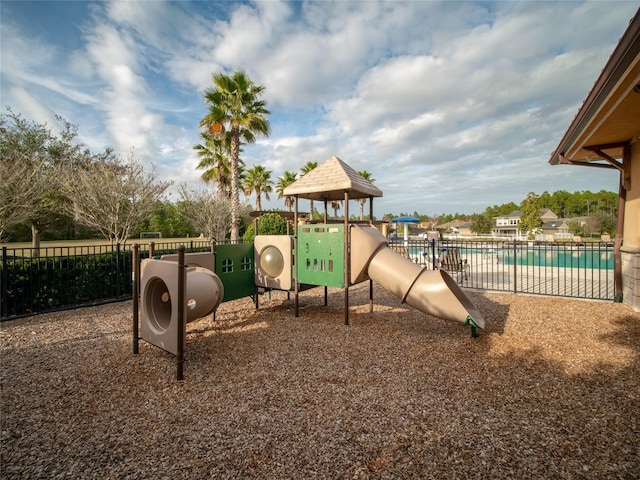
(333, 195)
(620, 63)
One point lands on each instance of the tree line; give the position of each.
(54, 187)
(587, 213)
(49, 179)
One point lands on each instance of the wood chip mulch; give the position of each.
(550, 389)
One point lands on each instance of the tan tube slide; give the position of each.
(430, 291)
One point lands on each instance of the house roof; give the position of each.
(562, 221)
(330, 180)
(514, 214)
(518, 213)
(608, 118)
(454, 224)
(555, 223)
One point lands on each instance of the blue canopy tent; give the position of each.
(406, 220)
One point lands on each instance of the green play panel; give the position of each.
(234, 266)
(321, 252)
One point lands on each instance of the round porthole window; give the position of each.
(271, 261)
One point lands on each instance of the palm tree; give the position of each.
(215, 161)
(284, 181)
(367, 176)
(336, 204)
(235, 107)
(304, 170)
(258, 180)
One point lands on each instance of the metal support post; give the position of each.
(181, 312)
(135, 296)
(347, 258)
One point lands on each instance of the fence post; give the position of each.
(515, 266)
(432, 242)
(117, 270)
(4, 275)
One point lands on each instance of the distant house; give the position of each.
(427, 225)
(457, 227)
(465, 229)
(509, 225)
(555, 230)
(559, 229)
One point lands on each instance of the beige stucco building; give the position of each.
(605, 133)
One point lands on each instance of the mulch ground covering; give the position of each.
(550, 389)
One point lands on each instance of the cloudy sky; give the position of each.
(451, 106)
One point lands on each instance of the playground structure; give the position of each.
(323, 263)
(177, 289)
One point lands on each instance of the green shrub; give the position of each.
(40, 284)
(268, 224)
(32, 285)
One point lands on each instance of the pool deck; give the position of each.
(579, 282)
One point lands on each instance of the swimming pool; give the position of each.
(582, 257)
(529, 255)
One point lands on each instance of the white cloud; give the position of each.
(33, 109)
(116, 47)
(450, 105)
(29, 66)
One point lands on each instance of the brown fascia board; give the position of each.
(623, 55)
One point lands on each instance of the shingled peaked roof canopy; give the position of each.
(329, 181)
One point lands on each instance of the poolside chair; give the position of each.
(450, 261)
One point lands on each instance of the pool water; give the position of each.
(581, 258)
(596, 258)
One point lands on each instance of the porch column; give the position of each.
(630, 249)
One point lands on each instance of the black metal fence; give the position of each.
(68, 277)
(545, 268)
(58, 278)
